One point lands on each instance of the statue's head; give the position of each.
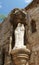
(17, 16)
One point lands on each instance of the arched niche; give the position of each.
(18, 16)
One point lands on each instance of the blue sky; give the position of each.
(7, 5)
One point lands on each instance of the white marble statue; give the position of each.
(19, 36)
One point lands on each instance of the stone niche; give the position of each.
(19, 53)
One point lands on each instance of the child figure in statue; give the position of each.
(19, 36)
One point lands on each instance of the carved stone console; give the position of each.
(20, 56)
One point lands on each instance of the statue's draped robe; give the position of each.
(19, 36)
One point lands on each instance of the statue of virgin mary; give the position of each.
(19, 36)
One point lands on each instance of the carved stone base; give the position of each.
(20, 56)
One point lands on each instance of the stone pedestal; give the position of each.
(20, 56)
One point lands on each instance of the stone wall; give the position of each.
(4, 41)
(34, 37)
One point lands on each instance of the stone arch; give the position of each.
(18, 16)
